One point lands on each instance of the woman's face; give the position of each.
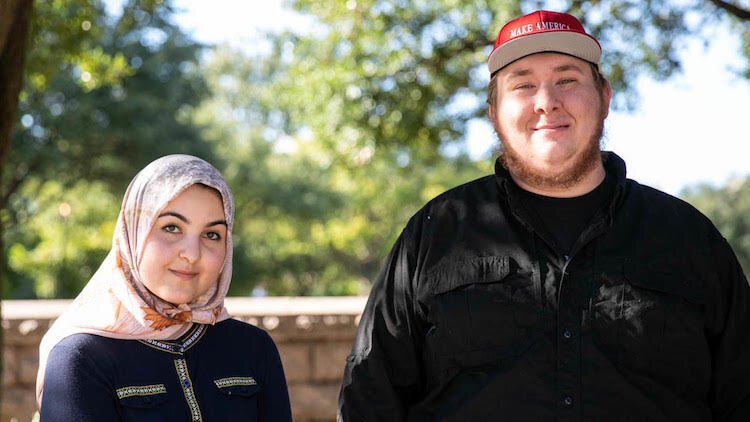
(184, 252)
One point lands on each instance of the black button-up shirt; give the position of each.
(475, 317)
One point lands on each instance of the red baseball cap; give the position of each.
(542, 31)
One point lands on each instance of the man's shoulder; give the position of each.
(658, 198)
(667, 209)
(470, 193)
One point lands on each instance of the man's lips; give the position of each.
(552, 126)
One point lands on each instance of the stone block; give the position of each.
(28, 366)
(297, 361)
(10, 363)
(18, 404)
(26, 332)
(329, 360)
(314, 402)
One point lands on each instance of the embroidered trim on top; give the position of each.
(232, 381)
(141, 390)
(178, 348)
(187, 388)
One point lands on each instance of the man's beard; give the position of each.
(585, 162)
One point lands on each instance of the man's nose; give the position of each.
(546, 100)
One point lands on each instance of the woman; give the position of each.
(149, 337)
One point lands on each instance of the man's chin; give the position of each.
(548, 175)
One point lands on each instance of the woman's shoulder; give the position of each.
(234, 326)
(88, 351)
(88, 343)
(242, 334)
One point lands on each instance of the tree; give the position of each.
(336, 135)
(15, 16)
(104, 96)
(317, 210)
(331, 137)
(729, 209)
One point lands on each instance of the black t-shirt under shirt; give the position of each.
(565, 218)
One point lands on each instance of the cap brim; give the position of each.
(572, 43)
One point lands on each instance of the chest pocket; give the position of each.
(651, 318)
(239, 395)
(142, 402)
(480, 309)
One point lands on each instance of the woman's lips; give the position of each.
(185, 275)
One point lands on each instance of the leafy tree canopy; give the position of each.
(104, 96)
(331, 137)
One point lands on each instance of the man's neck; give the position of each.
(586, 185)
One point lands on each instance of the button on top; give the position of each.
(568, 400)
(567, 333)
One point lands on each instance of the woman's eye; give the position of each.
(213, 236)
(171, 228)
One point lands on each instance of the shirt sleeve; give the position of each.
(382, 376)
(75, 389)
(730, 342)
(274, 404)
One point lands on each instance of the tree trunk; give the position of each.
(15, 21)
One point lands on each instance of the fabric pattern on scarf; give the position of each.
(115, 303)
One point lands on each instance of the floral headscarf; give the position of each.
(115, 303)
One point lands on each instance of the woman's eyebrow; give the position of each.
(186, 221)
(176, 215)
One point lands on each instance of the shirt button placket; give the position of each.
(568, 339)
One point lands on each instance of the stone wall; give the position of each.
(314, 336)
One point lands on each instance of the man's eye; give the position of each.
(566, 81)
(524, 86)
(213, 236)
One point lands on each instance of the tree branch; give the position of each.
(15, 21)
(735, 10)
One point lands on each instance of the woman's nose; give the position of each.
(190, 249)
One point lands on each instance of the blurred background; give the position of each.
(334, 121)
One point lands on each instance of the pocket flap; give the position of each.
(142, 396)
(238, 386)
(664, 279)
(464, 271)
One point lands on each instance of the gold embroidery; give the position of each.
(232, 381)
(187, 388)
(178, 348)
(141, 390)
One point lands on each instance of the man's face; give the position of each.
(549, 115)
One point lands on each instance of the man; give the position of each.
(555, 289)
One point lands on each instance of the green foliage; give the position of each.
(729, 209)
(326, 179)
(103, 97)
(331, 137)
(112, 99)
(62, 237)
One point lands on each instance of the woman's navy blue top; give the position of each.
(228, 371)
